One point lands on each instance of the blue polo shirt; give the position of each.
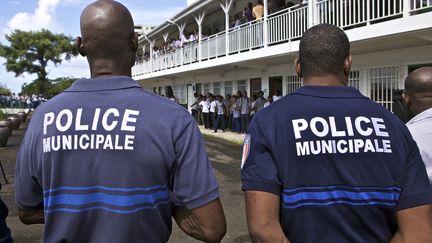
(106, 160)
(341, 164)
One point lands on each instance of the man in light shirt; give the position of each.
(418, 99)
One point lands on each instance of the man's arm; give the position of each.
(206, 223)
(415, 225)
(31, 216)
(262, 209)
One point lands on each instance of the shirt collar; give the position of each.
(102, 83)
(421, 116)
(330, 91)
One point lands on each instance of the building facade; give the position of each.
(389, 39)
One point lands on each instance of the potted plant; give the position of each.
(22, 115)
(4, 130)
(16, 121)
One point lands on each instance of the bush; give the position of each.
(2, 115)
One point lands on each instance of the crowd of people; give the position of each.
(21, 101)
(250, 13)
(229, 113)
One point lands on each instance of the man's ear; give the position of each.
(297, 67)
(406, 99)
(80, 46)
(134, 41)
(347, 65)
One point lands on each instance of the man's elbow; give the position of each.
(215, 234)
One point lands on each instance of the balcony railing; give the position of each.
(284, 26)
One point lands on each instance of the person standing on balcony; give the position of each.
(418, 100)
(245, 105)
(258, 11)
(327, 164)
(106, 161)
(247, 12)
(276, 6)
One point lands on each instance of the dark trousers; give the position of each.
(212, 119)
(206, 117)
(244, 122)
(195, 114)
(236, 124)
(220, 123)
(228, 122)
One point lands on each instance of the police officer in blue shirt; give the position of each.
(103, 162)
(327, 164)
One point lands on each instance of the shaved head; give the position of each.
(107, 34)
(419, 81)
(418, 91)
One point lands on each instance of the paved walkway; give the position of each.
(227, 136)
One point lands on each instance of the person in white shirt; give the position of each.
(221, 111)
(235, 110)
(205, 104)
(245, 105)
(269, 101)
(418, 100)
(276, 96)
(212, 110)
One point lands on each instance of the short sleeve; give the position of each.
(194, 182)
(416, 190)
(28, 191)
(259, 172)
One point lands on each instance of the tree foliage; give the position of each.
(31, 52)
(53, 87)
(4, 90)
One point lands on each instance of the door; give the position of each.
(255, 86)
(275, 84)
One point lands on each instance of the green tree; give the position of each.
(53, 87)
(31, 52)
(4, 90)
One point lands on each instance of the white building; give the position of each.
(389, 38)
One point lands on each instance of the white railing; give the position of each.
(246, 37)
(286, 25)
(417, 5)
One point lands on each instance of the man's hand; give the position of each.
(262, 209)
(206, 223)
(415, 225)
(31, 216)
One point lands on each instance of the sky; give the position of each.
(62, 16)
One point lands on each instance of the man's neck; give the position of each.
(325, 80)
(106, 68)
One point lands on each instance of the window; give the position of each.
(241, 85)
(180, 94)
(294, 82)
(216, 88)
(383, 83)
(206, 88)
(354, 79)
(228, 87)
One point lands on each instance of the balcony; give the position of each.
(287, 26)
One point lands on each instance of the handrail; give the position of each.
(285, 25)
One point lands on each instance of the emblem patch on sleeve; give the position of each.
(246, 149)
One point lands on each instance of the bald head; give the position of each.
(107, 33)
(418, 90)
